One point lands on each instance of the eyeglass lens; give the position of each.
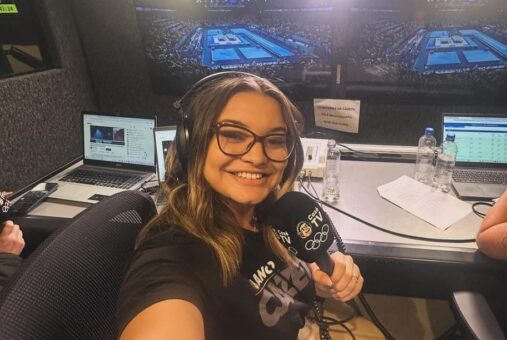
(237, 141)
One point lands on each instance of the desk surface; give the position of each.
(359, 197)
(393, 264)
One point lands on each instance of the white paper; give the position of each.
(337, 114)
(430, 204)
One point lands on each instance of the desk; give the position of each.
(391, 264)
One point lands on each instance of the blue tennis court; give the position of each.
(214, 32)
(224, 54)
(479, 56)
(442, 58)
(439, 34)
(254, 52)
(272, 47)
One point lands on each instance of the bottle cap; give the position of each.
(428, 131)
(450, 137)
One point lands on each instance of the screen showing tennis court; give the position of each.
(186, 40)
(431, 45)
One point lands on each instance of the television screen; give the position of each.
(434, 49)
(286, 41)
(22, 47)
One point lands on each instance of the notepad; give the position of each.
(430, 204)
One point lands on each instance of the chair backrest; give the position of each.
(68, 288)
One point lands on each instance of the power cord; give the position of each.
(478, 204)
(420, 238)
(357, 152)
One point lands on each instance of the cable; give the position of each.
(374, 318)
(420, 238)
(347, 147)
(478, 204)
(341, 247)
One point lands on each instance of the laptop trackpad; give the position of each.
(466, 190)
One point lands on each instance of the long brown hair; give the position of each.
(193, 204)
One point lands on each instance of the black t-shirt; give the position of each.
(267, 300)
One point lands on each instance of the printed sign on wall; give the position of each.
(337, 114)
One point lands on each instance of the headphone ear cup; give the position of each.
(182, 140)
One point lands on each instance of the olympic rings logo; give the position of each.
(319, 237)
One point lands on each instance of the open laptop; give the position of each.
(164, 136)
(118, 155)
(481, 164)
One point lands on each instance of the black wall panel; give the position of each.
(40, 113)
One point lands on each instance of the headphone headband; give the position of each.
(178, 103)
(182, 139)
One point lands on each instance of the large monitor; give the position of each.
(428, 50)
(288, 41)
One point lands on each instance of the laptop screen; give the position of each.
(164, 136)
(120, 140)
(480, 138)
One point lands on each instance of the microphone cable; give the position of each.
(341, 245)
(317, 308)
(419, 238)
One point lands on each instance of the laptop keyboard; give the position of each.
(479, 176)
(105, 179)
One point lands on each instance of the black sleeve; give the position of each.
(9, 263)
(160, 271)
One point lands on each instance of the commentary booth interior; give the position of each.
(406, 61)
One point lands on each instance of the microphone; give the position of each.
(305, 229)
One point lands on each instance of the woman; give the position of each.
(209, 266)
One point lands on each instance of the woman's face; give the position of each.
(246, 179)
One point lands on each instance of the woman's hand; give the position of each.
(344, 284)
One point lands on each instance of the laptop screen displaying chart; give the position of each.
(480, 138)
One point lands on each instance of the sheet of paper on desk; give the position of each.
(425, 202)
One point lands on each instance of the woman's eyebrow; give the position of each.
(237, 122)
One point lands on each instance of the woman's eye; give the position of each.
(277, 140)
(233, 135)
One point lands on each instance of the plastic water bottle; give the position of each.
(332, 174)
(445, 163)
(424, 168)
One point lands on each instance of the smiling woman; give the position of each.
(209, 266)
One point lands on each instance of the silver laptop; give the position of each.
(481, 164)
(118, 155)
(164, 136)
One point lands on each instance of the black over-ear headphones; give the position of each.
(184, 125)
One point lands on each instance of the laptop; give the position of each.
(164, 136)
(118, 155)
(481, 163)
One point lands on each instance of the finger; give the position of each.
(8, 227)
(352, 283)
(356, 291)
(346, 276)
(319, 276)
(339, 265)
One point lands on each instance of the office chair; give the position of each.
(475, 317)
(67, 289)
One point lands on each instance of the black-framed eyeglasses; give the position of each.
(235, 140)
